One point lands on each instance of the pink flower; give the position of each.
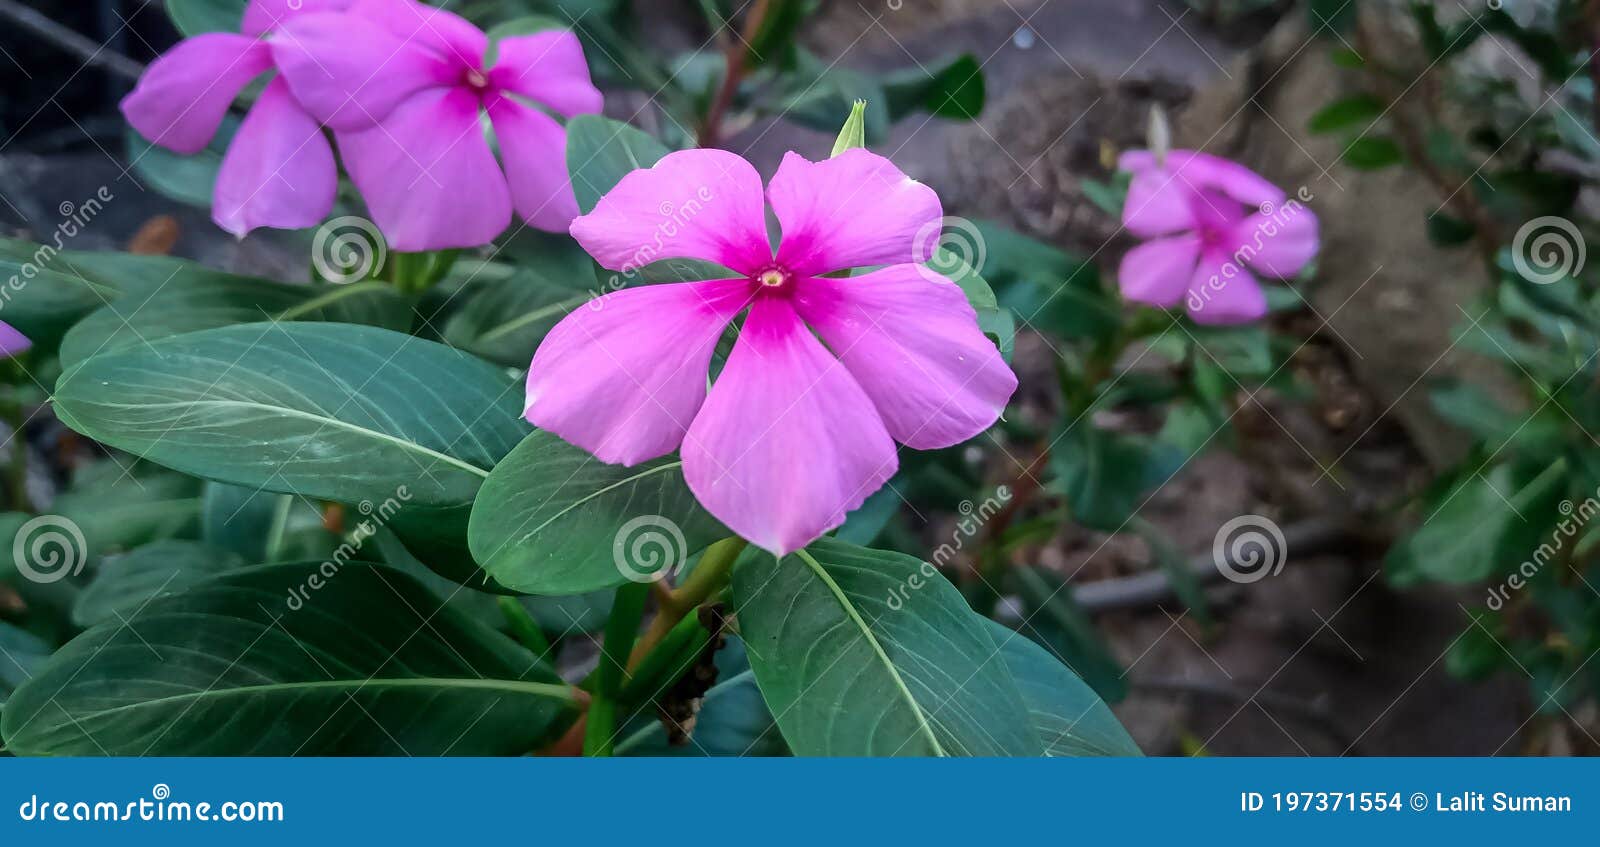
(1211, 222)
(794, 434)
(404, 85)
(279, 169)
(12, 343)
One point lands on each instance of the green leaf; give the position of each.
(868, 653)
(1103, 474)
(188, 178)
(552, 519)
(201, 298)
(1483, 526)
(1055, 622)
(1068, 716)
(327, 411)
(1346, 112)
(242, 520)
(997, 323)
(601, 151)
(1370, 153)
(955, 90)
(504, 318)
(21, 653)
(123, 584)
(122, 504)
(193, 17)
(366, 664)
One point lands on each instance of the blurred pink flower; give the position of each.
(1209, 222)
(12, 343)
(279, 169)
(794, 434)
(404, 86)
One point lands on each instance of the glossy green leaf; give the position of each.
(868, 653)
(21, 653)
(1485, 525)
(1068, 716)
(366, 663)
(503, 319)
(553, 519)
(204, 299)
(124, 583)
(954, 90)
(1055, 622)
(327, 411)
(1370, 153)
(193, 17)
(1346, 113)
(601, 151)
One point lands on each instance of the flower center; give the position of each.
(773, 278)
(475, 79)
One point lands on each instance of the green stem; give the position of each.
(621, 630)
(662, 666)
(523, 627)
(707, 578)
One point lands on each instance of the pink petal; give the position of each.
(1157, 273)
(912, 342)
(262, 16)
(279, 170)
(853, 210)
(548, 67)
(1158, 203)
(182, 97)
(428, 175)
(787, 443)
(1279, 244)
(534, 149)
(1224, 292)
(350, 74)
(1205, 171)
(12, 343)
(443, 32)
(693, 204)
(624, 375)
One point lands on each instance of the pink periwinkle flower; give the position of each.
(1210, 222)
(12, 342)
(279, 169)
(828, 371)
(404, 87)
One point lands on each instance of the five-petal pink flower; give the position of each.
(828, 372)
(1210, 223)
(279, 169)
(404, 86)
